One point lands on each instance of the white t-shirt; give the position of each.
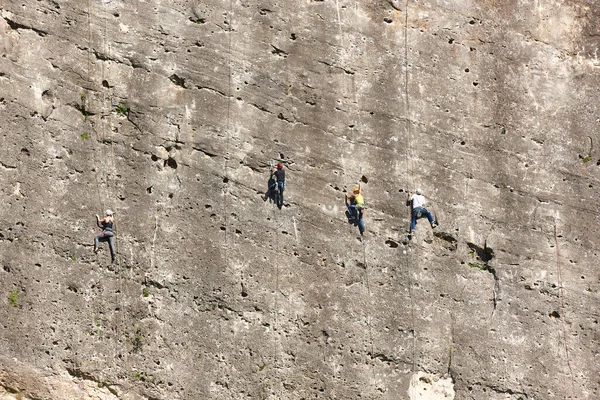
(418, 200)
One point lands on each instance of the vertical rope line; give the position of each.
(364, 246)
(226, 165)
(89, 76)
(227, 137)
(120, 300)
(276, 220)
(369, 315)
(412, 308)
(410, 184)
(410, 180)
(89, 55)
(561, 305)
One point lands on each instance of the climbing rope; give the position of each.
(228, 128)
(276, 325)
(407, 106)
(369, 315)
(226, 192)
(84, 100)
(561, 305)
(358, 48)
(120, 302)
(412, 307)
(410, 184)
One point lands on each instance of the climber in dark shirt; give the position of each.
(107, 234)
(279, 181)
(280, 177)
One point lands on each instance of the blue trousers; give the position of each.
(356, 212)
(271, 192)
(415, 216)
(280, 199)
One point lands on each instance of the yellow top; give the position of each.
(358, 200)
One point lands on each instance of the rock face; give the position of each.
(169, 113)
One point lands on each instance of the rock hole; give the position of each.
(471, 22)
(153, 157)
(170, 162)
(364, 179)
(207, 206)
(149, 190)
(462, 143)
(226, 180)
(391, 244)
(170, 195)
(450, 41)
(222, 228)
(6, 268)
(484, 253)
(116, 15)
(387, 20)
(554, 314)
(475, 83)
(105, 84)
(467, 69)
(177, 80)
(293, 36)
(472, 48)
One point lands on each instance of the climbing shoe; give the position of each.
(434, 225)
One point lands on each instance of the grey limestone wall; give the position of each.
(169, 112)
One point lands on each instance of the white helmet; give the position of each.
(108, 212)
(419, 191)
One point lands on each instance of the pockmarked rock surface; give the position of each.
(169, 114)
